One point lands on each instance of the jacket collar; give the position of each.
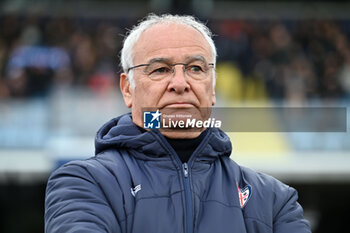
(122, 133)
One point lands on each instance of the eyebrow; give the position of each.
(188, 59)
(195, 58)
(159, 59)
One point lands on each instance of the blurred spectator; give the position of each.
(30, 69)
(84, 57)
(344, 75)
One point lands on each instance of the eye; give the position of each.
(161, 70)
(195, 68)
(156, 69)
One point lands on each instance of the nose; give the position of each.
(179, 82)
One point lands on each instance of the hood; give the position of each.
(122, 133)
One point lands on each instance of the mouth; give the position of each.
(179, 105)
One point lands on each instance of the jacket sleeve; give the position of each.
(289, 214)
(75, 203)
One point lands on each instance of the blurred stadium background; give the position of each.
(59, 66)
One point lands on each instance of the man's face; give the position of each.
(174, 43)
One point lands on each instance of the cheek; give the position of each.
(206, 94)
(147, 95)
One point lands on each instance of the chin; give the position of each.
(181, 133)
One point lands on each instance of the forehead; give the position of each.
(172, 41)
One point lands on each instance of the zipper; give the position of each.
(189, 221)
(188, 199)
(185, 169)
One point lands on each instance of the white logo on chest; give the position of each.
(135, 190)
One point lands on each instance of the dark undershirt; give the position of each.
(184, 148)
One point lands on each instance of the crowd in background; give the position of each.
(292, 59)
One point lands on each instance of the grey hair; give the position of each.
(134, 34)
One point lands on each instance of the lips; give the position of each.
(179, 104)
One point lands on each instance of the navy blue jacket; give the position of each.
(137, 184)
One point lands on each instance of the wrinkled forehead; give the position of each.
(172, 40)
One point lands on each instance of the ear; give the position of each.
(213, 97)
(126, 89)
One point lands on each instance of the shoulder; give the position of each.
(104, 177)
(263, 182)
(79, 188)
(273, 203)
(259, 181)
(267, 191)
(89, 165)
(95, 170)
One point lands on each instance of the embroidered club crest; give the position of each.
(244, 194)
